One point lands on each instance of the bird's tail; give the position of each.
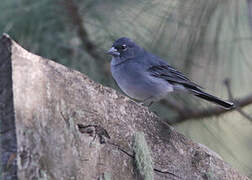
(216, 100)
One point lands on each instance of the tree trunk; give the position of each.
(55, 123)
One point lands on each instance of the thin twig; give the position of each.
(238, 108)
(76, 18)
(210, 112)
(88, 45)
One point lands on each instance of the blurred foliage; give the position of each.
(208, 40)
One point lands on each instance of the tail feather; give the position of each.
(211, 98)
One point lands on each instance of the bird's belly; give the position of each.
(141, 86)
(135, 90)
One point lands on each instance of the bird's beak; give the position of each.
(113, 51)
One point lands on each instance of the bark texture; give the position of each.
(53, 113)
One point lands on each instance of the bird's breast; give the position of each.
(137, 83)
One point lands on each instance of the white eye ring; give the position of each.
(124, 47)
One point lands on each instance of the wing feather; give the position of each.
(162, 70)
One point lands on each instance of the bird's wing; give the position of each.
(161, 69)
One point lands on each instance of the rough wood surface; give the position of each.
(50, 101)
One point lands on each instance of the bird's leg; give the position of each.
(148, 102)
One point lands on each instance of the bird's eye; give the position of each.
(124, 47)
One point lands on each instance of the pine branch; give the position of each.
(77, 21)
(210, 112)
(231, 97)
(88, 45)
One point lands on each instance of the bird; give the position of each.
(148, 78)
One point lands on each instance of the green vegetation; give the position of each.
(142, 156)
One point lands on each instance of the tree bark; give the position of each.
(62, 125)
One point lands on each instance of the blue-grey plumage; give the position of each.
(137, 83)
(146, 77)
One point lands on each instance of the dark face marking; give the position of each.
(124, 49)
(123, 44)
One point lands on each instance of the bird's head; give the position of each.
(124, 48)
